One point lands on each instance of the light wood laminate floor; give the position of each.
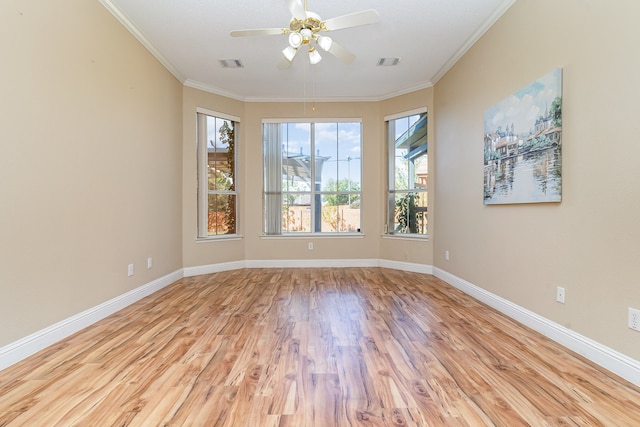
(311, 347)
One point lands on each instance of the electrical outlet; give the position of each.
(310, 246)
(560, 295)
(149, 263)
(130, 270)
(446, 255)
(634, 319)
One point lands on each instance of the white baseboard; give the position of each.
(18, 350)
(602, 355)
(306, 263)
(213, 268)
(312, 263)
(407, 266)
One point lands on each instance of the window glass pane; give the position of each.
(222, 214)
(218, 179)
(340, 212)
(331, 221)
(421, 172)
(296, 213)
(402, 170)
(410, 215)
(349, 155)
(326, 152)
(220, 155)
(296, 157)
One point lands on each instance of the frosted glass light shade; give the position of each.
(295, 40)
(306, 34)
(289, 53)
(314, 56)
(325, 42)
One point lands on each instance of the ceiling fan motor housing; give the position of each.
(312, 23)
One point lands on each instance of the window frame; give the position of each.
(391, 191)
(273, 194)
(203, 191)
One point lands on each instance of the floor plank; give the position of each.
(311, 347)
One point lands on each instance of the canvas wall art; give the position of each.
(523, 145)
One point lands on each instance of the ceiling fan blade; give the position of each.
(365, 17)
(341, 53)
(297, 9)
(258, 32)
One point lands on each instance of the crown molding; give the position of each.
(126, 22)
(217, 91)
(500, 10)
(213, 89)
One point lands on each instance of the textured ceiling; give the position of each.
(190, 37)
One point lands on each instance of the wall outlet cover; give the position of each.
(634, 319)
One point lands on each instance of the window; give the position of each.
(408, 172)
(217, 196)
(312, 177)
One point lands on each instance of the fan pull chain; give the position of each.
(304, 91)
(313, 88)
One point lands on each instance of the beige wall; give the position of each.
(90, 173)
(589, 243)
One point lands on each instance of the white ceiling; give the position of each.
(190, 36)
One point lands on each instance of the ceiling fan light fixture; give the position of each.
(295, 40)
(289, 53)
(325, 42)
(306, 27)
(306, 35)
(314, 56)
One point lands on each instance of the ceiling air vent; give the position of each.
(230, 63)
(388, 62)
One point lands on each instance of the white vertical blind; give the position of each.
(203, 177)
(272, 179)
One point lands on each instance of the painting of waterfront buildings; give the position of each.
(523, 145)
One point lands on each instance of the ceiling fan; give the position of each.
(307, 27)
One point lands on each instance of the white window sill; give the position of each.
(221, 238)
(313, 236)
(423, 237)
